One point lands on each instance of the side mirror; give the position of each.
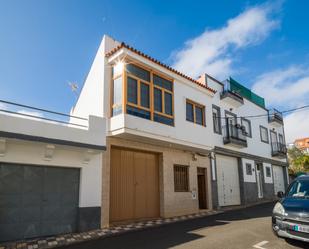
(280, 194)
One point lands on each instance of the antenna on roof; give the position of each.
(74, 87)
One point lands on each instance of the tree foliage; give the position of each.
(299, 161)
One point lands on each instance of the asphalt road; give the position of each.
(245, 228)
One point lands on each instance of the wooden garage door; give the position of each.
(134, 190)
(228, 180)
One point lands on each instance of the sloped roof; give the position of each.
(123, 45)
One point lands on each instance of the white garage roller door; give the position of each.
(278, 179)
(228, 180)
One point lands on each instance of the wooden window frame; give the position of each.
(186, 181)
(113, 105)
(194, 104)
(152, 86)
(139, 81)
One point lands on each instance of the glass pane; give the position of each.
(163, 120)
(144, 95)
(138, 72)
(157, 100)
(199, 115)
(132, 90)
(159, 81)
(138, 112)
(281, 139)
(247, 126)
(273, 137)
(168, 103)
(117, 110)
(117, 91)
(264, 134)
(189, 112)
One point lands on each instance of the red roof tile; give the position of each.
(123, 45)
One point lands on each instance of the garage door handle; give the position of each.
(231, 190)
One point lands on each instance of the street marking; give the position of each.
(260, 244)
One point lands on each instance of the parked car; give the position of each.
(290, 218)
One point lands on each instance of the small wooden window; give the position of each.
(148, 95)
(195, 112)
(181, 178)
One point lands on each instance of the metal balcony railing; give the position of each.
(275, 116)
(234, 134)
(229, 92)
(278, 149)
(26, 111)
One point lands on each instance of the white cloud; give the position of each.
(288, 88)
(212, 51)
(296, 125)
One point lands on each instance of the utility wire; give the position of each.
(266, 115)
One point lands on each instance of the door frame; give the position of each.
(205, 197)
(259, 180)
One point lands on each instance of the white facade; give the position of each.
(183, 133)
(97, 97)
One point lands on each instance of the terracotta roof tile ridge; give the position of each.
(124, 45)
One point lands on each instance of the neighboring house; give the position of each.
(302, 144)
(176, 145)
(50, 176)
(157, 143)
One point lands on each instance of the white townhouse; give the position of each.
(176, 145)
(143, 141)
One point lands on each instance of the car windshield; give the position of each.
(299, 189)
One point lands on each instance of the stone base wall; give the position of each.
(171, 203)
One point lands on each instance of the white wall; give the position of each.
(252, 177)
(95, 92)
(34, 153)
(94, 134)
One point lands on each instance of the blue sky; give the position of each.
(46, 44)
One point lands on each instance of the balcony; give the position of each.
(278, 150)
(234, 135)
(275, 117)
(230, 96)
